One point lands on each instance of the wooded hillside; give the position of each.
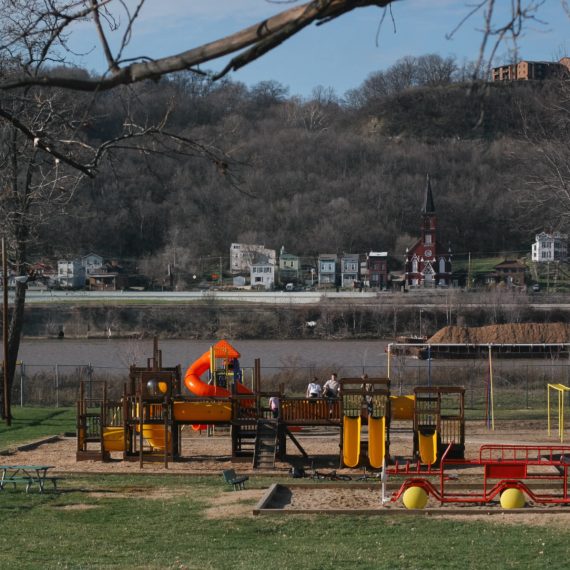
(318, 175)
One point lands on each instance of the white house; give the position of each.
(70, 274)
(262, 274)
(92, 263)
(550, 247)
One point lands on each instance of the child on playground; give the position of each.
(367, 388)
(314, 389)
(331, 387)
(274, 406)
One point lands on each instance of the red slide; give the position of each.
(222, 349)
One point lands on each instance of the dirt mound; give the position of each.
(520, 333)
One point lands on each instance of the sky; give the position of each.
(339, 54)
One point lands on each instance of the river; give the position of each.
(348, 357)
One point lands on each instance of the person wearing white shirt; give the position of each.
(314, 389)
(331, 387)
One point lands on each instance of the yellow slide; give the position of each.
(351, 441)
(154, 434)
(376, 441)
(428, 447)
(114, 438)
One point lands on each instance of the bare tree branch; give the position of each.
(261, 37)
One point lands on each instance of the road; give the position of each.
(444, 299)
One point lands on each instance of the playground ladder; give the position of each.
(265, 445)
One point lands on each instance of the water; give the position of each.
(346, 356)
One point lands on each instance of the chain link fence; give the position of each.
(517, 385)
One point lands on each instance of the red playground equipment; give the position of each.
(509, 472)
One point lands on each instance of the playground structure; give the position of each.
(508, 471)
(146, 423)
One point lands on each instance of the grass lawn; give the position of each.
(29, 424)
(162, 522)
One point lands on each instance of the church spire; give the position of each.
(428, 207)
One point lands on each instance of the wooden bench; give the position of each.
(237, 481)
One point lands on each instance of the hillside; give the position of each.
(519, 333)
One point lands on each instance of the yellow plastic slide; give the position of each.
(154, 434)
(376, 441)
(428, 447)
(114, 438)
(351, 441)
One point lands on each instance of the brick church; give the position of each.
(428, 263)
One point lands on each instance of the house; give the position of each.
(550, 247)
(70, 274)
(45, 275)
(427, 262)
(262, 275)
(349, 265)
(244, 255)
(92, 263)
(509, 271)
(376, 269)
(107, 281)
(326, 267)
(528, 70)
(289, 267)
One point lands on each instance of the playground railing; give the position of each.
(309, 409)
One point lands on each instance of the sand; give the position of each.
(210, 455)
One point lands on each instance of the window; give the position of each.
(428, 239)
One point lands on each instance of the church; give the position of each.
(428, 263)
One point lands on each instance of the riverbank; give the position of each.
(381, 318)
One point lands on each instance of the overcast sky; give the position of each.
(340, 54)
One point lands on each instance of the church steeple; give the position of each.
(429, 207)
(427, 263)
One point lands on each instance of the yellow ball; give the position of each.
(512, 498)
(415, 498)
(162, 387)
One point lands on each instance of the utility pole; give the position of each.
(221, 278)
(469, 271)
(6, 410)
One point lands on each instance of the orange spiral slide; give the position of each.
(222, 349)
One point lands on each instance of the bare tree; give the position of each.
(35, 186)
(37, 32)
(44, 151)
(543, 191)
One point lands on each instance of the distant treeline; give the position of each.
(320, 174)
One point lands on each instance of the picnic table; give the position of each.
(28, 474)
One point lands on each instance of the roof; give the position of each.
(429, 206)
(510, 264)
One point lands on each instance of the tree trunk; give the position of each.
(16, 323)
